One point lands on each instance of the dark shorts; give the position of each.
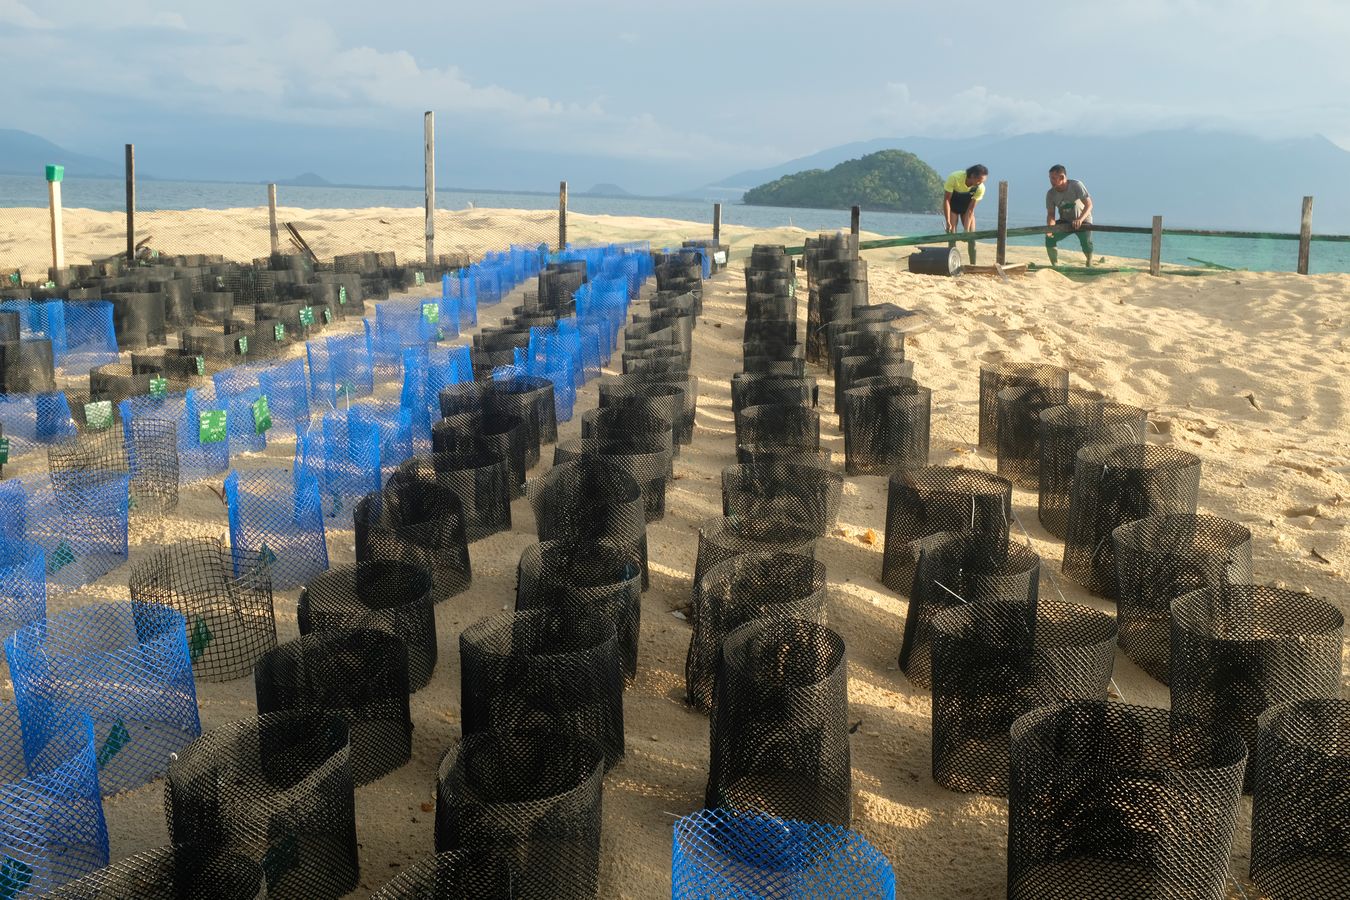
(962, 202)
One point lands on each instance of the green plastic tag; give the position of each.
(4, 450)
(342, 292)
(420, 279)
(159, 387)
(211, 426)
(306, 315)
(15, 876)
(201, 365)
(200, 637)
(262, 416)
(327, 315)
(98, 415)
(61, 557)
(118, 738)
(243, 345)
(279, 332)
(16, 278)
(268, 557)
(431, 312)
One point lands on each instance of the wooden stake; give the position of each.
(1155, 248)
(1001, 251)
(854, 227)
(131, 203)
(717, 223)
(562, 216)
(272, 216)
(429, 135)
(54, 176)
(1305, 236)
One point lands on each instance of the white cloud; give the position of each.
(12, 12)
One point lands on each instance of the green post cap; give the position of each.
(55, 173)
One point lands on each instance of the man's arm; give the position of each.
(970, 214)
(1087, 211)
(947, 211)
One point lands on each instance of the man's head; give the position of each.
(976, 174)
(1059, 176)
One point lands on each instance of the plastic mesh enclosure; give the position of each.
(278, 790)
(1239, 649)
(649, 469)
(225, 596)
(1005, 375)
(23, 581)
(277, 514)
(482, 481)
(590, 500)
(1017, 412)
(1105, 800)
(462, 874)
(145, 450)
(418, 522)
(744, 587)
(991, 663)
(171, 873)
(661, 399)
(531, 398)
(541, 668)
(533, 800)
(619, 386)
(886, 426)
(51, 815)
(1114, 485)
(799, 495)
(237, 390)
(723, 853)
(779, 730)
(196, 460)
(1064, 431)
(580, 579)
(1162, 557)
(748, 389)
(394, 597)
(127, 665)
(722, 538)
(778, 426)
(1300, 842)
(758, 454)
(358, 675)
(931, 499)
(955, 568)
(80, 523)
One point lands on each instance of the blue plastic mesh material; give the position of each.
(277, 513)
(23, 582)
(237, 389)
(340, 367)
(51, 815)
(80, 522)
(90, 339)
(393, 425)
(459, 293)
(402, 323)
(346, 463)
(287, 389)
(34, 419)
(195, 459)
(722, 855)
(426, 370)
(126, 665)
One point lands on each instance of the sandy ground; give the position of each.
(1249, 371)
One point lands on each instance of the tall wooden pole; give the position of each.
(854, 228)
(1155, 248)
(54, 176)
(131, 203)
(717, 223)
(1305, 237)
(1001, 251)
(272, 217)
(429, 134)
(562, 216)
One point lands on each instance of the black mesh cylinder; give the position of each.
(619, 386)
(954, 568)
(1162, 557)
(464, 397)
(1300, 817)
(170, 873)
(851, 369)
(993, 662)
(591, 500)
(480, 874)
(578, 579)
(533, 800)
(496, 435)
(628, 429)
(649, 470)
(529, 397)
(804, 496)
(418, 522)
(759, 390)
(27, 366)
(277, 789)
(1239, 649)
(542, 668)
(146, 450)
(224, 594)
(1017, 412)
(779, 733)
(740, 589)
(138, 319)
(778, 425)
(930, 499)
(360, 676)
(722, 538)
(657, 399)
(1005, 375)
(886, 426)
(1105, 800)
(394, 597)
(760, 454)
(1064, 431)
(482, 481)
(1114, 485)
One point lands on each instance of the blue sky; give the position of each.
(691, 90)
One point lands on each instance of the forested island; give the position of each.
(887, 181)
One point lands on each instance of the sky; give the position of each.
(669, 96)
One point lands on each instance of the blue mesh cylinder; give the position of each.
(237, 389)
(340, 367)
(80, 522)
(458, 293)
(351, 462)
(90, 339)
(722, 855)
(287, 390)
(23, 584)
(393, 426)
(195, 459)
(127, 666)
(277, 513)
(51, 815)
(33, 419)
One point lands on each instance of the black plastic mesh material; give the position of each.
(1105, 801)
(529, 397)
(614, 389)
(992, 663)
(1239, 649)
(628, 429)
(1017, 412)
(649, 469)
(886, 426)
(591, 500)
(742, 588)
(541, 668)
(458, 874)
(482, 480)
(779, 732)
(1113, 485)
(953, 568)
(532, 798)
(851, 369)
(778, 425)
(171, 873)
(146, 449)
(758, 390)
(360, 676)
(662, 400)
(759, 454)
(931, 499)
(1300, 832)
(225, 596)
(583, 578)
(1005, 375)
(799, 495)
(416, 521)
(1064, 431)
(1162, 557)
(387, 596)
(722, 538)
(277, 789)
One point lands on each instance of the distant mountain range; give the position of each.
(22, 153)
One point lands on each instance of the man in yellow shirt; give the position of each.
(961, 193)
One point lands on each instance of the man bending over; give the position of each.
(1067, 203)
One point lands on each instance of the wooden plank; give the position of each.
(1001, 253)
(1014, 269)
(301, 242)
(854, 229)
(429, 163)
(717, 223)
(562, 216)
(1305, 236)
(58, 231)
(131, 203)
(272, 216)
(1155, 247)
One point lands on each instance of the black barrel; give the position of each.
(936, 261)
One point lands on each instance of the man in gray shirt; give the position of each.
(1067, 203)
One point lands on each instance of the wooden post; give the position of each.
(1155, 248)
(1001, 253)
(854, 226)
(272, 217)
(717, 223)
(429, 134)
(131, 203)
(54, 176)
(562, 216)
(1305, 236)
